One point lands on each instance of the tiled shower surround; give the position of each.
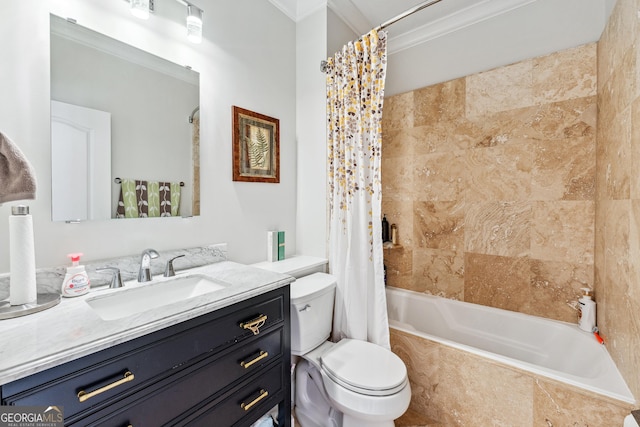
(514, 188)
(617, 237)
(490, 179)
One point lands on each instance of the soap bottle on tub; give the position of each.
(587, 311)
(76, 281)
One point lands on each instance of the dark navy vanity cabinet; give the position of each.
(225, 368)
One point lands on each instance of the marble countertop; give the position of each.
(72, 329)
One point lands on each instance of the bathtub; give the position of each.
(549, 348)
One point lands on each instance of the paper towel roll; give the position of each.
(22, 281)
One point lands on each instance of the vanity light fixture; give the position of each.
(141, 9)
(194, 23)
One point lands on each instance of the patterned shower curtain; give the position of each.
(355, 91)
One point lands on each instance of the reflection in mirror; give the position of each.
(120, 114)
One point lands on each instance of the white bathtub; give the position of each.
(549, 348)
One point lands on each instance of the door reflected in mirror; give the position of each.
(120, 114)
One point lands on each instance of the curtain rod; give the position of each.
(417, 8)
(406, 13)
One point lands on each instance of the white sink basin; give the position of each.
(146, 297)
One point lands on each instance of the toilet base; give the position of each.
(312, 408)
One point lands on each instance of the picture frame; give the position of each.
(256, 147)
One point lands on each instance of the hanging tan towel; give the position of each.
(17, 177)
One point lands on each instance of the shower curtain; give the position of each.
(355, 91)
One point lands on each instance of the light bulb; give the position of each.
(140, 8)
(194, 24)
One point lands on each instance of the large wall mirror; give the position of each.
(124, 129)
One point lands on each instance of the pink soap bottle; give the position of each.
(76, 281)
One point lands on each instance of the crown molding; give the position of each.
(297, 10)
(288, 7)
(307, 7)
(350, 15)
(463, 18)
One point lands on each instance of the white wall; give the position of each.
(338, 33)
(247, 59)
(311, 48)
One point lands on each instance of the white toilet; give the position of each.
(351, 383)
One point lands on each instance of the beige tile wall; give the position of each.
(491, 181)
(617, 232)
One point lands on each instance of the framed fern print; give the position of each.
(256, 147)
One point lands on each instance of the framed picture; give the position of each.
(256, 147)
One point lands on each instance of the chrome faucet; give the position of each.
(144, 274)
(168, 269)
(116, 278)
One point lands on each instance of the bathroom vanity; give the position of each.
(223, 362)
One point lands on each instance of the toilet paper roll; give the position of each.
(22, 280)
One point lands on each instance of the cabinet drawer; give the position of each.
(102, 384)
(248, 402)
(249, 357)
(168, 402)
(252, 320)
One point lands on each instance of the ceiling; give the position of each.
(439, 19)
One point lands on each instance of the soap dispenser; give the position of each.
(76, 281)
(587, 311)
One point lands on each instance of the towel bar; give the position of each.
(118, 181)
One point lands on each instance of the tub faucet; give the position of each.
(144, 274)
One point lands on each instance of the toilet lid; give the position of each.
(365, 368)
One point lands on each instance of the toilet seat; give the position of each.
(364, 368)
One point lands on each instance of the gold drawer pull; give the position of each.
(83, 395)
(247, 406)
(255, 324)
(261, 356)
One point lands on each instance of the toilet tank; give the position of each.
(312, 300)
(296, 266)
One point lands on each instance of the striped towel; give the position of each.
(148, 199)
